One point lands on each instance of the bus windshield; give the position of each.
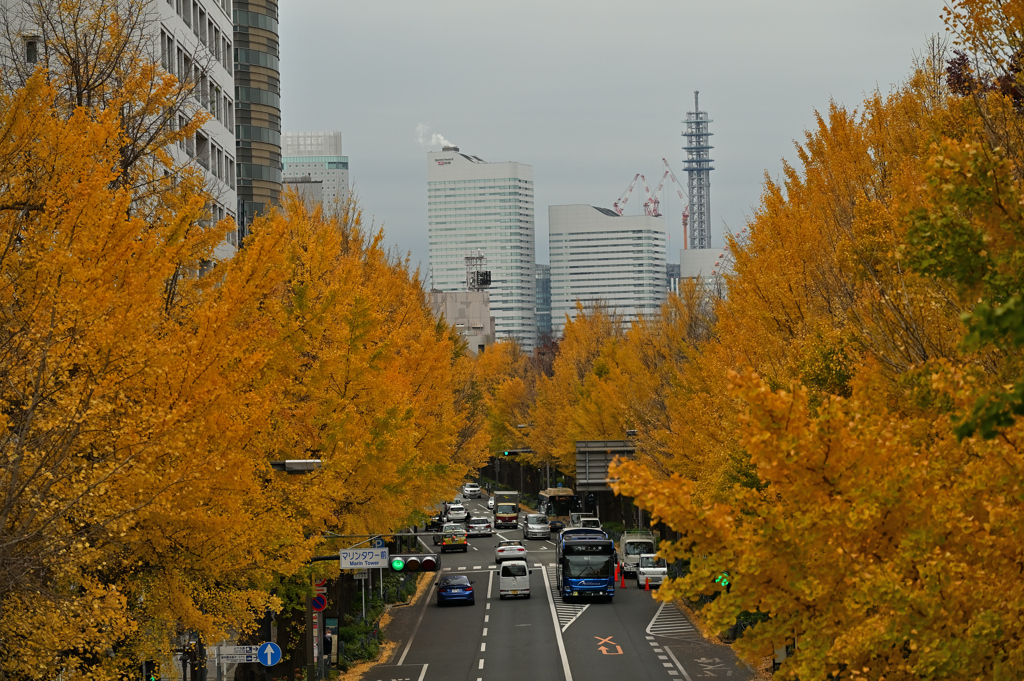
(561, 506)
(577, 567)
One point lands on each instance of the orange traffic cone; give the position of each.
(616, 572)
(647, 584)
(622, 574)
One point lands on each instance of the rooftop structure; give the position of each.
(698, 171)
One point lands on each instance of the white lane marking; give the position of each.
(669, 622)
(461, 568)
(558, 632)
(475, 548)
(492, 567)
(481, 665)
(567, 612)
(485, 631)
(490, 580)
(483, 648)
(424, 671)
(678, 666)
(487, 618)
(419, 620)
(488, 606)
(476, 567)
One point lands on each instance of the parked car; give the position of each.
(479, 527)
(457, 513)
(455, 589)
(536, 526)
(490, 502)
(514, 579)
(508, 549)
(454, 540)
(471, 490)
(448, 527)
(435, 523)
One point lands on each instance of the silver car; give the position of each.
(471, 490)
(536, 526)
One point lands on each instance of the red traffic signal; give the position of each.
(414, 562)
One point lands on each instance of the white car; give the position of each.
(457, 513)
(490, 503)
(471, 490)
(509, 549)
(514, 579)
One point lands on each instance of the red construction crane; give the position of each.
(682, 197)
(620, 204)
(652, 206)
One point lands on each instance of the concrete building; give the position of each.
(318, 155)
(470, 313)
(311, 191)
(475, 205)
(257, 105)
(597, 254)
(701, 263)
(195, 42)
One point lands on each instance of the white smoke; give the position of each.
(434, 140)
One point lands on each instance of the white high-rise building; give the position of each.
(597, 254)
(473, 205)
(191, 40)
(318, 156)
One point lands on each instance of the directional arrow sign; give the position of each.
(270, 654)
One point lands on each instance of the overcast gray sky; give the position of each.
(588, 92)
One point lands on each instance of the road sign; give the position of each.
(269, 654)
(319, 603)
(238, 650)
(362, 574)
(320, 586)
(377, 543)
(359, 559)
(236, 659)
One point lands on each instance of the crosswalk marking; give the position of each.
(668, 622)
(567, 612)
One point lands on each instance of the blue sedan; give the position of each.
(455, 589)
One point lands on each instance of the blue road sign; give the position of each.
(269, 654)
(377, 543)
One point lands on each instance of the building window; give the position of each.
(32, 51)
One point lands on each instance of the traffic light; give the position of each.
(723, 580)
(505, 453)
(150, 671)
(414, 562)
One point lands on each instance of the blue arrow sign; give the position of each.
(269, 654)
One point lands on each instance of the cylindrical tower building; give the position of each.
(257, 108)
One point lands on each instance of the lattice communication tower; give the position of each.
(698, 171)
(477, 278)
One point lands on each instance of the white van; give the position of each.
(514, 579)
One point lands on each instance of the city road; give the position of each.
(541, 638)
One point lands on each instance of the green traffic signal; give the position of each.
(397, 563)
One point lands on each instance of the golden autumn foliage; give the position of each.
(830, 432)
(141, 403)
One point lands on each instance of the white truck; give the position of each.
(584, 520)
(651, 571)
(632, 545)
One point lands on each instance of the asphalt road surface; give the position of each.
(541, 638)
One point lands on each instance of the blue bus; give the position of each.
(585, 567)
